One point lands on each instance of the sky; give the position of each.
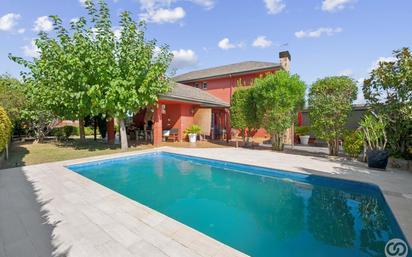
(324, 37)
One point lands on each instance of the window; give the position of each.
(196, 85)
(204, 85)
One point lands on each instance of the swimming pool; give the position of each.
(259, 211)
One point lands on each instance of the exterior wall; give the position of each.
(178, 115)
(224, 88)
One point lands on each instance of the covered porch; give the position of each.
(184, 106)
(174, 112)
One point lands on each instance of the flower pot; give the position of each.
(377, 159)
(304, 140)
(192, 138)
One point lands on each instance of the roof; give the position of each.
(190, 94)
(230, 69)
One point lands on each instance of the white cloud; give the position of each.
(262, 42)
(21, 30)
(31, 50)
(117, 31)
(82, 2)
(376, 63)
(74, 20)
(183, 58)
(225, 44)
(43, 23)
(335, 5)
(160, 11)
(208, 4)
(274, 6)
(162, 15)
(317, 32)
(346, 72)
(9, 21)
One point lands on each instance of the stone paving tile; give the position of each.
(143, 249)
(19, 248)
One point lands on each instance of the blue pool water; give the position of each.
(259, 211)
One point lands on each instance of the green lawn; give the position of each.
(22, 154)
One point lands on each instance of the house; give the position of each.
(222, 82)
(201, 97)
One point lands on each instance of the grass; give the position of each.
(28, 153)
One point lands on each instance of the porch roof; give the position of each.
(188, 94)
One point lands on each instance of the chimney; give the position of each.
(284, 60)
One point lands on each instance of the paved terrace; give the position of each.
(48, 210)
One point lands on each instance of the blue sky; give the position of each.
(324, 37)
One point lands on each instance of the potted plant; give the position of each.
(373, 130)
(303, 133)
(192, 132)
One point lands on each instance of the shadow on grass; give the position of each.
(27, 227)
(88, 144)
(17, 152)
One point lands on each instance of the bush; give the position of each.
(194, 129)
(330, 103)
(5, 128)
(88, 131)
(68, 131)
(353, 143)
(302, 131)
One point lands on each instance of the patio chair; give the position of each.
(174, 134)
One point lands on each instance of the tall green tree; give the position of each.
(131, 71)
(86, 70)
(330, 102)
(388, 91)
(279, 95)
(62, 70)
(243, 112)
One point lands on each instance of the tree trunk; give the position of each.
(81, 130)
(95, 128)
(277, 142)
(123, 135)
(333, 147)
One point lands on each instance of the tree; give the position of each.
(330, 102)
(388, 91)
(131, 71)
(11, 97)
(87, 70)
(62, 70)
(237, 114)
(5, 128)
(279, 96)
(243, 112)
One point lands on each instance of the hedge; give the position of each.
(5, 128)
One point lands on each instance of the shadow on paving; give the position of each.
(25, 226)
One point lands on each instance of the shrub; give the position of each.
(279, 95)
(88, 131)
(374, 131)
(5, 128)
(353, 143)
(194, 129)
(68, 131)
(330, 102)
(302, 131)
